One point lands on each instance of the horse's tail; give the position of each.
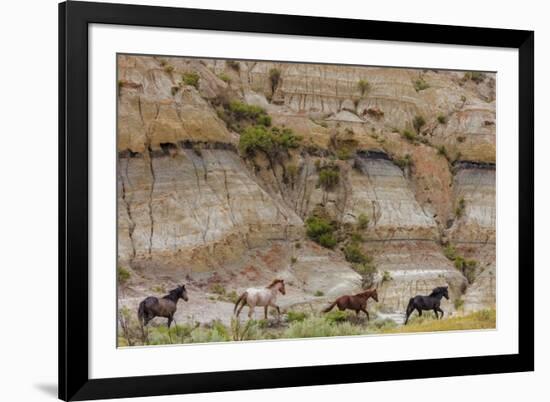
(410, 306)
(141, 312)
(410, 309)
(239, 300)
(326, 310)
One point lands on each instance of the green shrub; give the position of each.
(123, 275)
(386, 277)
(329, 178)
(191, 79)
(336, 316)
(354, 254)
(293, 260)
(321, 231)
(233, 64)
(328, 240)
(318, 293)
(241, 110)
(418, 123)
(320, 327)
(298, 244)
(168, 68)
(441, 119)
(386, 324)
(459, 303)
(217, 288)
(225, 78)
(363, 86)
(296, 316)
(174, 90)
(441, 150)
(356, 237)
(450, 252)
(362, 221)
(408, 135)
(368, 272)
(475, 76)
(343, 153)
(461, 138)
(404, 162)
(274, 78)
(459, 210)
(270, 141)
(420, 85)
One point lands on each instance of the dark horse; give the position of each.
(431, 302)
(152, 306)
(356, 302)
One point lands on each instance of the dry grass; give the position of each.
(483, 319)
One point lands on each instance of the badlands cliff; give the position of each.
(411, 154)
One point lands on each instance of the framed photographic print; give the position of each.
(257, 200)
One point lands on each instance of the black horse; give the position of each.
(152, 307)
(431, 302)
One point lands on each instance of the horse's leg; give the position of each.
(441, 311)
(250, 310)
(436, 315)
(265, 311)
(170, 318)
(419, 311)
(364, 310)
(241, 307)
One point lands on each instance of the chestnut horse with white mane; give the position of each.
(261, 297)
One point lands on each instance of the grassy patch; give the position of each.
(274, 79)
(191, 79)
(329, 177)
(272, 141)
(123, 275)
(225, 78)
(404, 162)
(408, 135)
(420, 85)
(441, 119)
(459, 210)
(233, 64)
(321, 231)
(483, 319)
(296, 316)
(363, 86)
(318, 293)
(418, 123)
(362, 221)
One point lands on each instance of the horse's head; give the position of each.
(442, 291)
(282, 287)
(182, 292)
(374, 295)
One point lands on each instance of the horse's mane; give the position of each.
(436, 291)
(173, 294)
(275, 281)
(367, 292)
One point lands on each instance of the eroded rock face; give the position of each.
(192, 206)
(174, 204)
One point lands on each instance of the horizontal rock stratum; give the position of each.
(411, 151)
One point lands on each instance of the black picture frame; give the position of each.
(74, 18)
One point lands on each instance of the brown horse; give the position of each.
(152, 307)
(356, 302)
